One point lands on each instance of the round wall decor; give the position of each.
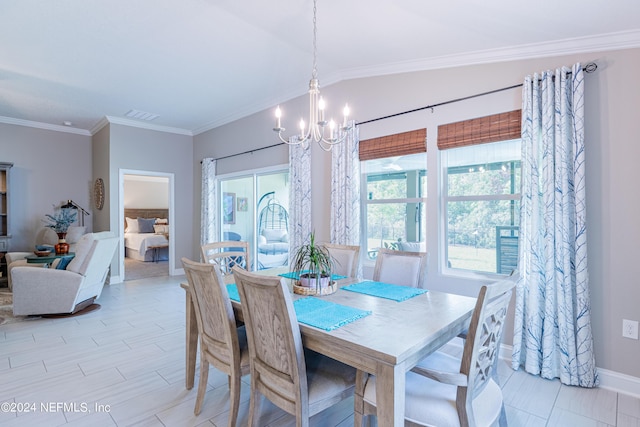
(98, 193)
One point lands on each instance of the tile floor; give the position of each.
(124, 365)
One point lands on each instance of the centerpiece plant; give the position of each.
(313, 263)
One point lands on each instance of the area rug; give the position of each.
(6, 310)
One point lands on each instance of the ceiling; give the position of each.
(198, 64)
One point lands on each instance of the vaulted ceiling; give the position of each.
(197, 64)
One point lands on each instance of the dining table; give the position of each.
(386, 343)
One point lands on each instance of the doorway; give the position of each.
(146, 215)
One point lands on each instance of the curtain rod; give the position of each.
(589, 68)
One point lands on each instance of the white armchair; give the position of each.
(53, 291)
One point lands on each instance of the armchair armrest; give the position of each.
(44, 290)
(14, 256)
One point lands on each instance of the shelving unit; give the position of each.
(5, 230)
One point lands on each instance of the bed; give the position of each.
(147, 239)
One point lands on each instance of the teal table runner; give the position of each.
(316, 312)
(385, 290)
(232, 289)
(324, 314)
(295, 275)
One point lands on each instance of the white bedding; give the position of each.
(142, 241)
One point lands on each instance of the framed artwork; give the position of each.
(228, 208)
(243, 204)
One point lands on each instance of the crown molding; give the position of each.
(45, 126)
(598, 43)
(149, 126)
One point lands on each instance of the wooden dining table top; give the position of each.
(389, 341)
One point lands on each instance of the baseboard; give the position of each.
(610, 380)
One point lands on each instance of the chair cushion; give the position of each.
(327, 377)
(429, 402)
(275, 235)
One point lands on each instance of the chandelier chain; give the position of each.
(314, 71)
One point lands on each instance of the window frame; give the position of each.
(365, 202)
(444, 199)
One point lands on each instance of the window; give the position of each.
(395, 191)
(482, 206)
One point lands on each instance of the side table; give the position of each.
(35, 259)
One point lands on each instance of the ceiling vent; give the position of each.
(141, 115)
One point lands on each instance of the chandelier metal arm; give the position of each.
(317, 123)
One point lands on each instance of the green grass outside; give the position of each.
(464, 257)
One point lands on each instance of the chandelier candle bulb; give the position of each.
(278, 115)
(321, 109)
(346, 112)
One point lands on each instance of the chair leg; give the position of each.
(234, 395)
(202, 385)
(255, 402)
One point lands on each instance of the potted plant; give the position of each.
(314, 264)
(60, 222)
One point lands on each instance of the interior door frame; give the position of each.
(171, 177)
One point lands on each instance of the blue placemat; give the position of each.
(232, 289)
(385, 290)
(295, 275)
(326, 315)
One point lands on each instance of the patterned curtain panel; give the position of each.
(345, 190)
(209, 214)
(553, 336)
(299, 196)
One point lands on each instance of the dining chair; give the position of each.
(442, 390)
(221, 343)
(401, 268)
(226, 255)
(346, 259)
(297, 380)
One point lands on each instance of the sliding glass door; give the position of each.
(254, 208)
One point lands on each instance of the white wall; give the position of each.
(142, 192)
(611, 125)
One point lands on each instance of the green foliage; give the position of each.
(61, 219)
(313, 259)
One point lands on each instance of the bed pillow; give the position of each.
(162, 221)
(145, 225)
(161, 228)
(132, 225)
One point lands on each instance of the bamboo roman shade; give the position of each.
(497, 127)
(398, 144)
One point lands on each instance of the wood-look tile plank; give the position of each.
(518, 418)
(216, 402)
(598, 403)
(563, 418)
(530, 393)
(629, 405)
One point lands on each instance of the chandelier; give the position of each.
(325, 133)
